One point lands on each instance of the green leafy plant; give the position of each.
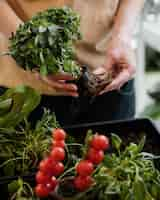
(127, 174)
(21, 190)
(46, 42)
(22, 147)
(16, 104)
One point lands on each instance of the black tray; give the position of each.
(134, 125)
(122, 128)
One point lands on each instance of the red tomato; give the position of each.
(46, 165)
(52, 183)
(58, 169)
(100, 142)
(42, 191)
(95, 156)
(84, 168)
(58, 154)
(82, 183)
(58, 143)
(42, 178)
(59, 134)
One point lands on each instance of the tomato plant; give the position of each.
(42, 178)
(42, 191)
(58, 154)
(46, 165)
(84, 168)
(83, 182)
(95, 156)
(58, 143)
(59, 134)
(53, 166)
(100, 142)
(52, 183)
(58, 169)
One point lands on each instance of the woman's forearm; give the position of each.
(9, 21)
(126, 17)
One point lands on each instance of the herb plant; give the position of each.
(46, 42)
(16, 104)
(125, 174)
(128, 174)
(22, 147)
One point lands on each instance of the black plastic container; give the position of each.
(129, 130)
(118, 127)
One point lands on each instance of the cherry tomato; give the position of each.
(95, 156)
(100, 142)
(82, 183)
(46, 165)
(58, 143)
(42, 191)
(42, 178)
(58, 154)
(52, 183)
(84, 168)
(59, 134)
(58, 169)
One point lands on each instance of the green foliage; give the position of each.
(46, 42)
(22, 147)
(116, 141)
(20, 190)
(16, 104)
(152, 111)
(126, 174)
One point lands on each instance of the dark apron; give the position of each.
(115, 105)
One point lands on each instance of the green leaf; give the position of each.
(149, 197)
(43, 70)
(13, 186)
(142, 143)
(116, 141)
(139, 190)
(109, 161)
(9, 169)
(51, 41)
(42, 29)
(5, 105)
(155, 190)
(132, 149)
(89, 136)
(53, 28)
(24, 101)
(42, 57)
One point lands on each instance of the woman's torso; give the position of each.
(96, 23)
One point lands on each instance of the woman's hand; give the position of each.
(120, 58)
(58, 83)
(120, 63)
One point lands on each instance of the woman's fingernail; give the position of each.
(101, 93)
(75, 87)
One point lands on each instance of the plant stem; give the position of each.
(66, 172)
